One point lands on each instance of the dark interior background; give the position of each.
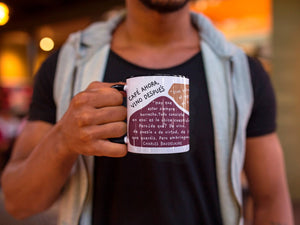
(28, 14)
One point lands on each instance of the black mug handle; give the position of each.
(119, 87)
(119, 140)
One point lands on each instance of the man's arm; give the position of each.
(265, 171)
(44, 154)
(36, 171)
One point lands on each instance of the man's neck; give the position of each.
(146, 27)
(152, 40)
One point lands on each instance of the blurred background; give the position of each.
(30, 30)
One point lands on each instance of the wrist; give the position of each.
(63, 150)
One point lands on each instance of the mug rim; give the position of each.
(157, 75)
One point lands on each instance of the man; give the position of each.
(53, 156)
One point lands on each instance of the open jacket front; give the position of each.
(83, 59)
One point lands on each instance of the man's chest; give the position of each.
(201, 129)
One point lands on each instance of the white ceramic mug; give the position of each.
(157, 114)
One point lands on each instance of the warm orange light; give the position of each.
(226, 9)
(47, 44)
(12, 68)
(4, 14)
(235, 17)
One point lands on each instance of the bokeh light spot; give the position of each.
(46, 44)
(4, 14)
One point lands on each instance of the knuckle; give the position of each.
(116, 96)
(123, 111)
(111, 95)
(121, 150)
(90, 150)
(85, 136)
(118, 113)
(94, 84)
(80, 99)
(83, 118)
(119, 99)
(124, 126)
(120, 128)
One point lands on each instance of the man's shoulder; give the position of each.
(52, 59)
(49, 65)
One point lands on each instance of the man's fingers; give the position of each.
(94, 140)
(110, 149)
(110, 114)
(98, 98)
(101, 116)
(105, 131)
(95, 85)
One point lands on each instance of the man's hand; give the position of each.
(93, 116)
(44, 154)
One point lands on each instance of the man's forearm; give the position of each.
(31, 185)
(278, 212)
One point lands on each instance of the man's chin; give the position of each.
(164, 7)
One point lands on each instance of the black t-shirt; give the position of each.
(162, 189)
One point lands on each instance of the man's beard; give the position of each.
(164, 6)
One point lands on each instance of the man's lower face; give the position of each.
(164, 6)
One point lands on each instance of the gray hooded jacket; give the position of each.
(83, 59)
